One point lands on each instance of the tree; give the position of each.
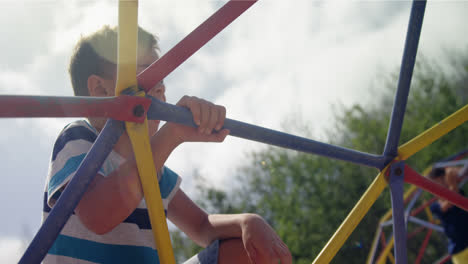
(306, 197)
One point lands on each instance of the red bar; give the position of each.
(444, 259)
(424, 205)
(118, 108)
(422, 182)
(192, 42)
(383, 241)
(409, 197)
(415, 232)
(422, 249)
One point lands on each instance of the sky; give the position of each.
(277, 62)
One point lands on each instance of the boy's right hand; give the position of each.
(209, 118)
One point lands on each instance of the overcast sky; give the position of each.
(279, 60)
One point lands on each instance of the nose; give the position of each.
(158, 91)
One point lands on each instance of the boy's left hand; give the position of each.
(262, 243)
(209, 118)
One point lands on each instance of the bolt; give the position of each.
(398, 171)
(138, 111)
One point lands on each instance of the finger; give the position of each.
(214, 116)
(218, 136)
(251, 253)
(204, 117)
(283, 253)
(221, 117)
(189, 102)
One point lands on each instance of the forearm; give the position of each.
(221, 226)
(110, 200)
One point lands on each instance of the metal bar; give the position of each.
(383, 241)
(404, 81)
(456, 156)
(69, 199)
(192, 42)
(443, 259)
(352, 220)
(412, 202)
(119, 108)
(424, 205)
(387, 223)
(138, 133)
(415, 232)
(426, 224)
(163, 111)
(457, 199)
(432, 134)
(385, 252)
(375, 244)
(450, 163)
(398, 211)
(422, 249)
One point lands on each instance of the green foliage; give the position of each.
(306, 197)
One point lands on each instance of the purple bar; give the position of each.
(69, 199)
(398, 211)
(163, 111)
(406, 72)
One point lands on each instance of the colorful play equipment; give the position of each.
(412, 215)
(134, 108)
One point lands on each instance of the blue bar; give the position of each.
(412, 202)
(398, 211)
(450, 163)
(163, 111)
(406, 72)
(62, 210)
(426, 224)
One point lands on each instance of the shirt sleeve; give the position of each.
(169, 185)
(436, 210)
(69, 150)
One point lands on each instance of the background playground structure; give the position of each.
(418, 215)
(375, 160)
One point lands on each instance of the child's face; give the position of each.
(158, 91)
(441, 181)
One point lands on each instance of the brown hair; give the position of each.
(97, 54)
(436, 173)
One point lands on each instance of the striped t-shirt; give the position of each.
(131, 241)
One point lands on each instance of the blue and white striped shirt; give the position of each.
(131, 241)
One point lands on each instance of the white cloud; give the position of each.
(276, 60)
(11, 249)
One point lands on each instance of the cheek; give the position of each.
(153, 126)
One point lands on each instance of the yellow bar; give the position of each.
(353, 219)
(138, 133)
(390, 256)
(433, 133)
(429, 214)
(385, 252)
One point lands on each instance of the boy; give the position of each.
(454, 220)
(110, 224)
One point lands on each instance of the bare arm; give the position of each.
(110, 200)
(259, 239)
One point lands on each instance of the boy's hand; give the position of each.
(209, 118)
(262, 243)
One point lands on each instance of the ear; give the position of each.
(96, 86)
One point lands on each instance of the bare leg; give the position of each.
(232, 251)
